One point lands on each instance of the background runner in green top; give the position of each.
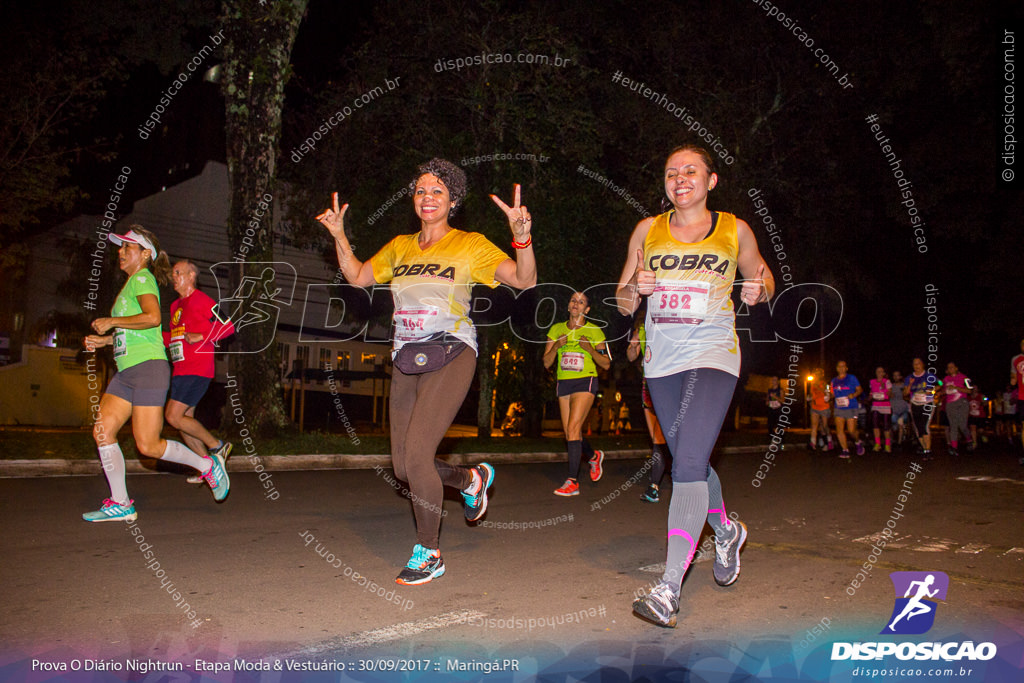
(132, 347)
(592, 333)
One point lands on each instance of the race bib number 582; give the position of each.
(676, 302)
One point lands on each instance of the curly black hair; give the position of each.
(450, 175)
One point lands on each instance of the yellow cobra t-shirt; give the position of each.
(432, 287)
(690, 319)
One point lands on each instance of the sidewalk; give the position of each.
(240, 462)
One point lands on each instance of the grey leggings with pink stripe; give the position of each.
(691, 407)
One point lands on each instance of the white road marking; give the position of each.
(412, 628)
(659, 568)
(973, 548)
(891, 540)
(991, 480)
(387, 634)
(928, 544)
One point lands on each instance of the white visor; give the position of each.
(134, 238)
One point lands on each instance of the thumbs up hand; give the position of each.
(645, 279)
(753, 291)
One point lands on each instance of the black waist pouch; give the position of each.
(433, 353)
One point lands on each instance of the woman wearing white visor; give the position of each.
(139, 389)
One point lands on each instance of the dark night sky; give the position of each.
(933, 77)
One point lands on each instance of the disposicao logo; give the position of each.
(913, 614)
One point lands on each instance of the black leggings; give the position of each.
(921, 416)
(422, 409)
(691, 407)
(881, 421)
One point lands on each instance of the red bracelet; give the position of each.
(522, 245)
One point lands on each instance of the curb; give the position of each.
(284, 463)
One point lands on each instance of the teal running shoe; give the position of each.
(217, 478)
(652, 494)
(223, 450)
(424, 565)
(476, 502)
(112, 511)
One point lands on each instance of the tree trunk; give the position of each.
(534, 373)
(258, 41)
(485, 371)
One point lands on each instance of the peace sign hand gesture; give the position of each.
(334, 220)
(518, 216)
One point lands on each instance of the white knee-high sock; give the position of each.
(112, 460)
(179, 453)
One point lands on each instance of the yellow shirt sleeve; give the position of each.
(383, 262)
(486, 258)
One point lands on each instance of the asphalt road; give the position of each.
(546, 582)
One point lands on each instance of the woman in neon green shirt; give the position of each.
(579, 346)
(139, 389)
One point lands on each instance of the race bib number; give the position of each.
(842, 402)
(177, 350)
(878, 395)
(920, 398)
(120, 345)
(413, 324)
(774, 405)
(675, 302)
(572, 360)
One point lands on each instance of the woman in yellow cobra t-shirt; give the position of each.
(685, 262)
(432, 274)
(580, 348)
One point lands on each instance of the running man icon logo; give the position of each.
(257, 300)
(914, 612)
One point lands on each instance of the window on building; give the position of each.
(302, 355)
(325, 363)
(285, 351)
